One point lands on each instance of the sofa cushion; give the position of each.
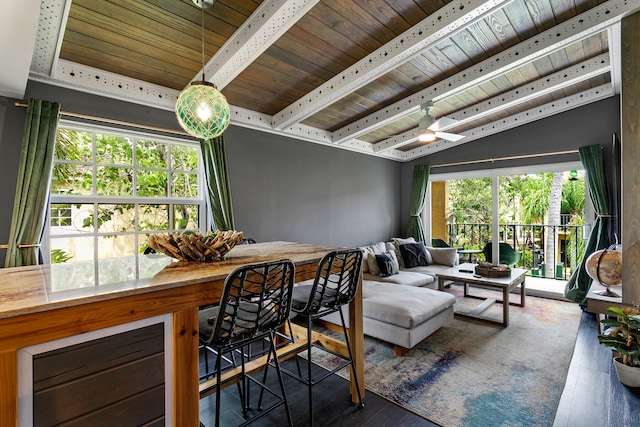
(387, 263)
(431, 270)
(404, 277)
(444, 256)
(403, 306)
(414, 254)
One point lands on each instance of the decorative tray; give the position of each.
(491, 270)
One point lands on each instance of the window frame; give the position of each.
(495, 175)
(95, 199)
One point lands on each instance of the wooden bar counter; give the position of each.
(35, 309)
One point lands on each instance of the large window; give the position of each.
(110, 190)
(537, 210)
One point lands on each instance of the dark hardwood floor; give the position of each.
(592, 397)
(332, 407)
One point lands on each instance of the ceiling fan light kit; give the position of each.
(428, 126)
(202, 110)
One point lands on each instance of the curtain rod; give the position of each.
(21, 246)
(498, 159)
(113, 121)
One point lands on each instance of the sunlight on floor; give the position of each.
(545, 287)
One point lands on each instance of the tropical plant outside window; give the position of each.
(110, 190)
(536, 211)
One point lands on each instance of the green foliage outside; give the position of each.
(523, 199)
(122, 168)
(59, 256)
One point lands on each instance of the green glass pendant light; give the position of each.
(201, 109)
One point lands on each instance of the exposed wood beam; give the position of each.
(580, 27)
(553, 82)
(528, 116)
(448, 20)
(269, 21)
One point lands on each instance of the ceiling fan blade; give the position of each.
(453, 137)
(442, 122)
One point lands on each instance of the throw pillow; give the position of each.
(366, 250)
(400, 241)
(414, 254)
(387, 263)
(396, 242)
(391, 246)
(444, 256)
(373, 264)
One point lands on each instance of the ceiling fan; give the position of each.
(428, 127)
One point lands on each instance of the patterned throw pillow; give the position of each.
(414, 254)
(387, 263)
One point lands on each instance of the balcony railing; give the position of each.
(565, 245)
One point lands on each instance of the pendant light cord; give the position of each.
(202, 22)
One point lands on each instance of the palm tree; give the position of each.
(555, 204)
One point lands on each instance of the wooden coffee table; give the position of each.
(465, 273)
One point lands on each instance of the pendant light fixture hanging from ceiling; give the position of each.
(201, 109)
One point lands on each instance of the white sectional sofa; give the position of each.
(403, 308)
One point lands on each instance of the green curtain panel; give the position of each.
(418, 191)
(33, 183)
(601, 234)
(214, 156)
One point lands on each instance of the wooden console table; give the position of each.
(32, 312)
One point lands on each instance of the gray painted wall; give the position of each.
(286, 189)
(282, 188)
(595, 123)
(11, 131)
(292, 190)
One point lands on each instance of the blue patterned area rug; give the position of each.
(471, 373)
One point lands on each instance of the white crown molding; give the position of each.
(104, 83)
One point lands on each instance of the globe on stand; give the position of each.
(605, 267)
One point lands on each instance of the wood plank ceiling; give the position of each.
(352, 74)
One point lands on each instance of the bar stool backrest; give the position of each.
(255, 299)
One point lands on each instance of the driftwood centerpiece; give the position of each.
(193, 246)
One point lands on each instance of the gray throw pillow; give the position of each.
(444, 256)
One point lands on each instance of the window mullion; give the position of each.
(177, 159)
